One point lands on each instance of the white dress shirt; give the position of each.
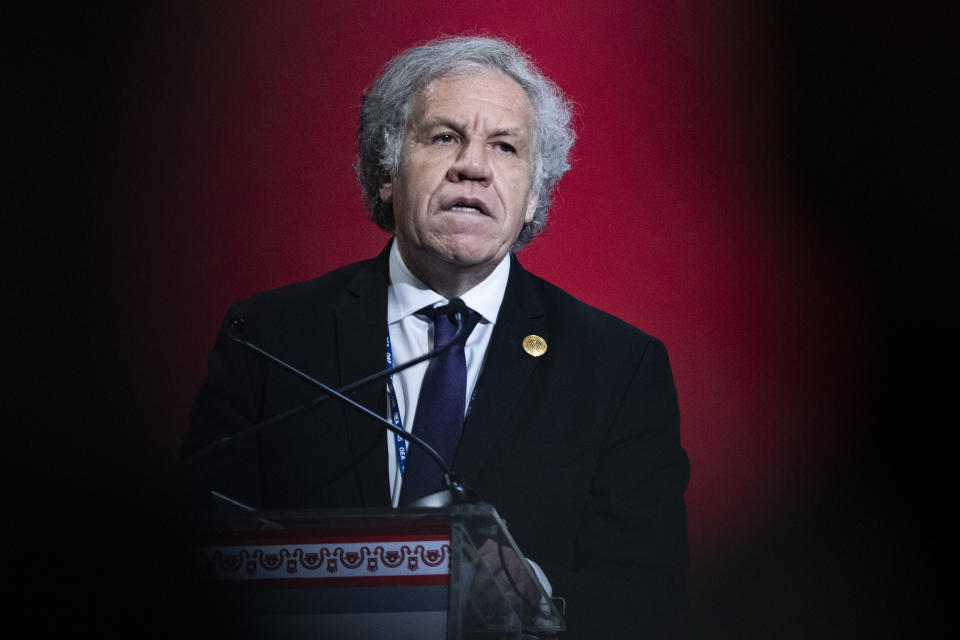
(412, 336)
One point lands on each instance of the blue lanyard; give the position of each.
(399, 441)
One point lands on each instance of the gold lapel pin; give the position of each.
(535, 345)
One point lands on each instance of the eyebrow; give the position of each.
(512, 133)
(509, 132)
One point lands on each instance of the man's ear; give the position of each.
(531, 207)
(386, 187)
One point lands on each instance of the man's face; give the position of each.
(462, 191)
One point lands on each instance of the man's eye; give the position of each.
(505, 147)
(444, 138)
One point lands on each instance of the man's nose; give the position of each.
(471, 163)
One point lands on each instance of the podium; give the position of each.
(447, 573)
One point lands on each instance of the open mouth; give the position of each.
(467, 205)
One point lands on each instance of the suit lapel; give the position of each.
(361, 321)
(505, 372)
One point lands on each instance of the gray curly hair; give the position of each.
(388, 103)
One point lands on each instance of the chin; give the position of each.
(469, 251)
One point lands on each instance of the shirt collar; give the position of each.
(407, 294)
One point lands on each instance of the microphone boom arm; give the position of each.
(329, 391)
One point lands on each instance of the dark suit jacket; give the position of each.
(579, 449)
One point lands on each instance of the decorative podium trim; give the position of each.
(331, 563)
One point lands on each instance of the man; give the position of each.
(571, 425)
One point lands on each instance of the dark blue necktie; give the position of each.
(440, 408)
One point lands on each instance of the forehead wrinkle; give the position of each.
(516, 101)
(475, 122)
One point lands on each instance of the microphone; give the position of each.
(457, 307)
(236, 326)
(455, 491)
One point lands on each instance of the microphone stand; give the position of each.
(454, 493)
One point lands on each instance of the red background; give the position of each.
(671, 217)
(736, 191)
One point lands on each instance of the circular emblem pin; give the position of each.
(535, 346)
